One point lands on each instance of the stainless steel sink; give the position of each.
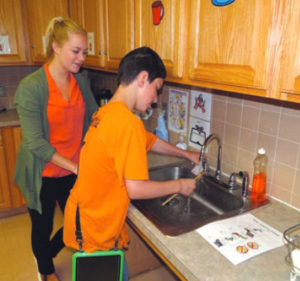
(211, 201)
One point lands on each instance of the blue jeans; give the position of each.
(125, 271)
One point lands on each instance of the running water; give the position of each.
(188, 205)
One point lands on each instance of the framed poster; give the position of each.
(177, 113)
(198, 130)
(200, 105)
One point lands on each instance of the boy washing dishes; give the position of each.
(113, 161)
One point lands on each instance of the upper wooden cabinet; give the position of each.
(229, 45)
(168, 37)
(12, 30)
(109, 24)
(119, 30)
(88, 13)
(38, 13)
(287, 62)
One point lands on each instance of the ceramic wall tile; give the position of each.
(281, 193)
(286, 152)
(289, 127)
(269, 123)
(248, 140)
(232, 134)
(250, 117)
(219, 110)
(283, 176)
(234, 114)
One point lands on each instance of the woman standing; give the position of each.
(55, 105)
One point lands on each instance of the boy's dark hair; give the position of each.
(139, 60)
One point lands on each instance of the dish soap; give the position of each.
(259, 182)
(181, 144)
(161, 129)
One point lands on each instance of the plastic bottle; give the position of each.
(259, 182)
(161, 129)
(181, 144)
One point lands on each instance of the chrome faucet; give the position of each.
(202, 159)
(245, 184)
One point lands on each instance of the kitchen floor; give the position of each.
(17, 263)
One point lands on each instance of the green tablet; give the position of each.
(97, 266)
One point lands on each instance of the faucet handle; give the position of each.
(232, 179)
(245, 184)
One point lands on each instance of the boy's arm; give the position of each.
(146, 189)
(163, 147)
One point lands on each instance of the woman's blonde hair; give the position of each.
(58, 30)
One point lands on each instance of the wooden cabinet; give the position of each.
(287, 62)
(10, 196)
(110, 23)
(229, 46)
(168, 37)
(38, 13)
(119, 31)
(13, 29)
(4, 186)
(88, 13)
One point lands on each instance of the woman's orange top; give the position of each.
(65, 120)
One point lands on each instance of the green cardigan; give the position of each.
(31, 101)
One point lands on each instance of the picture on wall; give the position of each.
(178, 111)
(200, 105)
(198, 130)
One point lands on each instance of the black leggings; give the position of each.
(53, 190)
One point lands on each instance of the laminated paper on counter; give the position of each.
(242, 237)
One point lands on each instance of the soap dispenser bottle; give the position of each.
(161, 129)
(259, 182)
(181, 144)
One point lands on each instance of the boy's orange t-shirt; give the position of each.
(65, 119)
(115, 149)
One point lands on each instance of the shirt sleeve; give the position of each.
(131, 157)
(29, 108)
(151, 139)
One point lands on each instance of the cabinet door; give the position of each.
(230, 45)
(88, 13)
(38, 13)
(168, 37)
(4, 185)
(11, 141)
(290, 57)
(119, 31)
(11, 32)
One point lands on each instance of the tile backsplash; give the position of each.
(244, 123)
(10, 76)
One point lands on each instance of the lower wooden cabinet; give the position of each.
(139, 257)
(10, 196)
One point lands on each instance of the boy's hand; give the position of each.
(187, 186)
(193, 156)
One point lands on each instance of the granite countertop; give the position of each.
(197, 260)
(9, 118)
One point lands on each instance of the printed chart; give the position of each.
(241, 238)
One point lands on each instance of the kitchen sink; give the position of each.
(212, 200)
